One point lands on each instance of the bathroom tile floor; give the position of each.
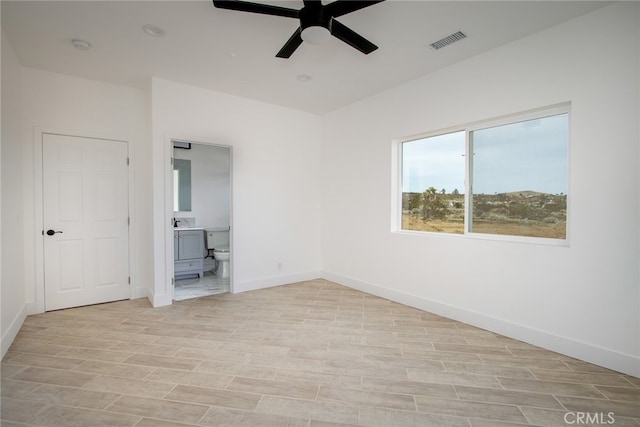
(312, 354)
(194, 287)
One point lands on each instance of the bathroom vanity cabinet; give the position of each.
(188, 249)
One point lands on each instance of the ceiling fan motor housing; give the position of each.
(314, 24)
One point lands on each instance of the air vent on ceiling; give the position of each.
(446, 41)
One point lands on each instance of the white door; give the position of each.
(85, 213)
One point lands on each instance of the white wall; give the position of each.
(13, 310)
(55, 102)
(582, 300)
(210, 185)
(276, 198)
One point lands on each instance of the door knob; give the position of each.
(51, 232)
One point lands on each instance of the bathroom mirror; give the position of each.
(181, 185)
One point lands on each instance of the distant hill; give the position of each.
(525, 193)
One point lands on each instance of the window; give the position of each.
(433, 183)
(514, 184)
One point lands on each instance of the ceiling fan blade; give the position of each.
(312, 3)
(245, 6)
(342, 7)
(291, 45)
(351, 38)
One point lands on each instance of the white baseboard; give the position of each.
(611, 359)
(160, 300)
(12, 331)
(253, 285)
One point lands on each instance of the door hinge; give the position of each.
(172, 160)
(127, 161)
(129, 280)
(173, 282)
(128, 220)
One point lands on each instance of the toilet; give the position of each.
(218, 241)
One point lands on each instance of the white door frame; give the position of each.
(168, 218)
(38, 137)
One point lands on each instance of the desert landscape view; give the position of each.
(522, 213)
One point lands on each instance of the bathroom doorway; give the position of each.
(201, 219)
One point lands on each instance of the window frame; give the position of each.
(397, 177)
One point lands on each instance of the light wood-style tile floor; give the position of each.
(311, 354)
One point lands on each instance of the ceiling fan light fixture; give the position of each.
(315, 34)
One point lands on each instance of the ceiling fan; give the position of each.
(317, 22)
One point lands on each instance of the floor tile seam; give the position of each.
(79, 389)
(53, 369)
(554, 396)
(364, 349)
(489, 362)
(34, 415)
(476, 353)
(636, 386)
(469, 418)
(54, 335)
(476, 374)
(130, 394)
(129, 354)
(14, 358)
(455, 417)
(118, 341)
(359, 406)
(599, 386)
(201, 361)
(125, 363)
(512, 405)
(142, 418)
(98, 373)
(514, 423)
(569, 368)
(412, 395)
(2, 396)
(604, 399)
(525, 406)
(187, 402)
(182, 346)
(13, 374)
(26, 395)
(596, 384)
(46, 339)
(501, 384)
(491, 366)
(205, 414)
(105, 410)
(591, 386)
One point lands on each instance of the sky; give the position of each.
(436, 161)
(529, 155)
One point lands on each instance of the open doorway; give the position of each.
(201, 219)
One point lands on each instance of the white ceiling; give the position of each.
(234, 52)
